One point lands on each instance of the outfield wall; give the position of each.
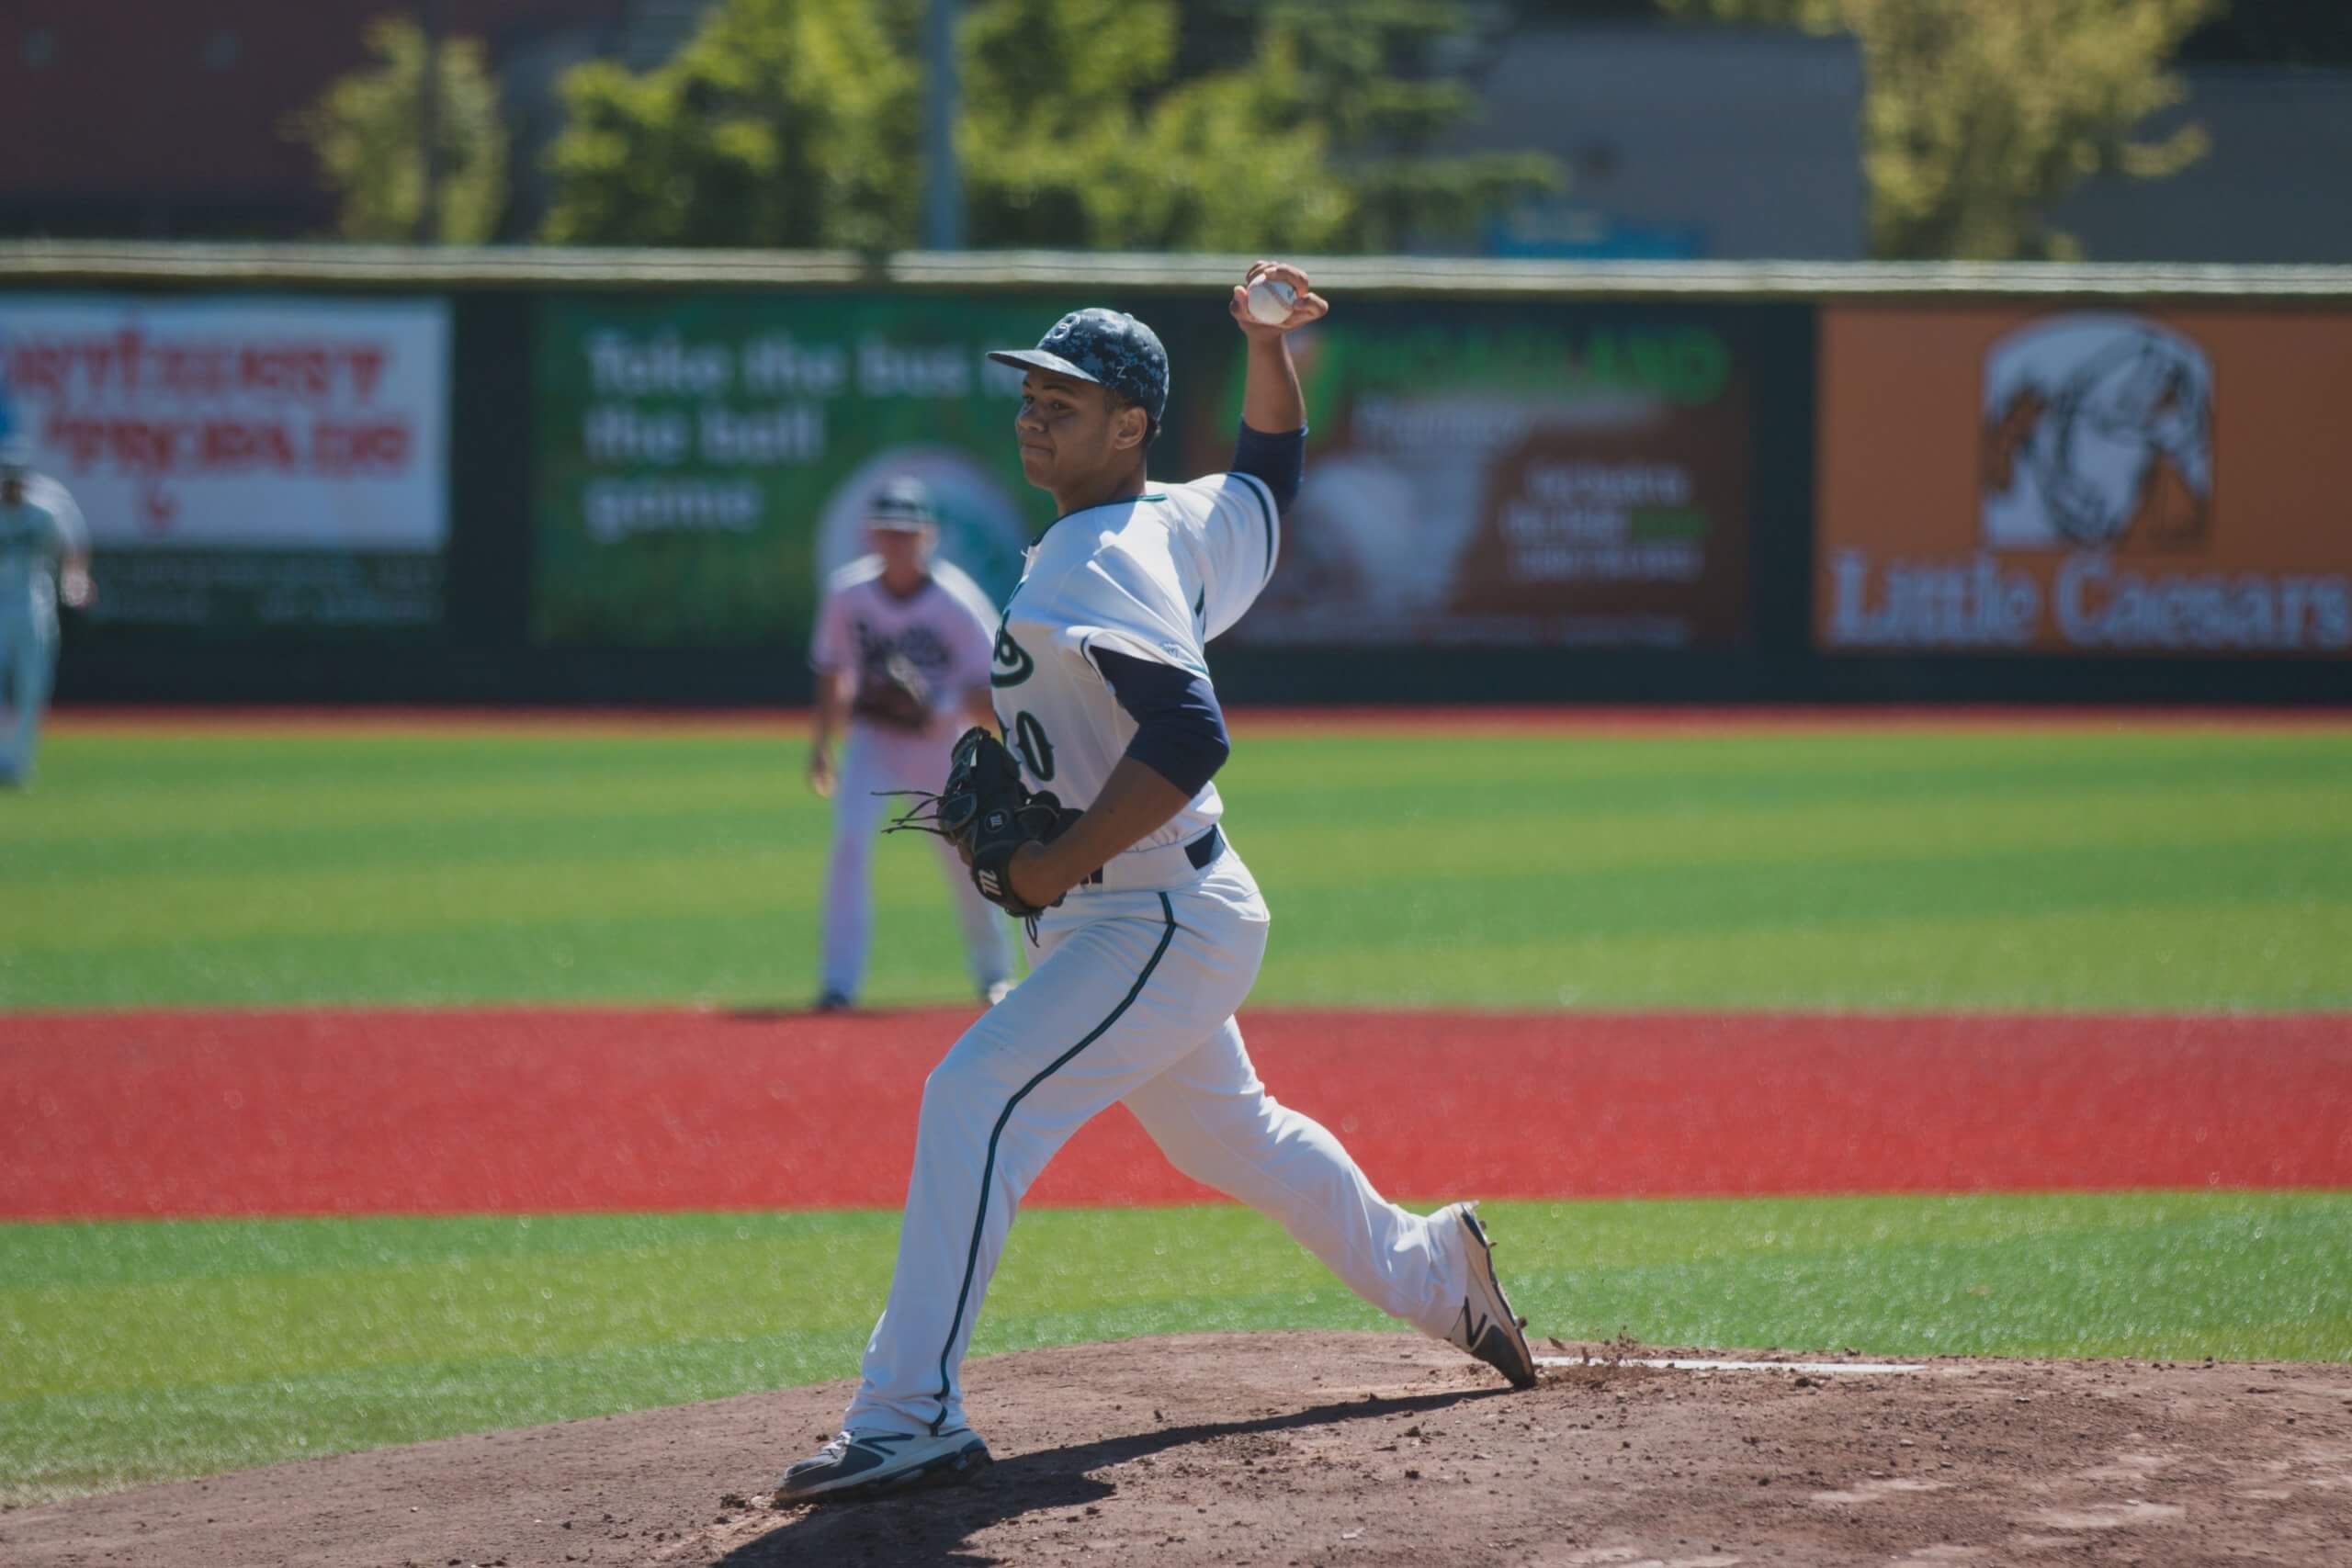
(348, 474)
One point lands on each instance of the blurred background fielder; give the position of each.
(901, 656)
(44, 557)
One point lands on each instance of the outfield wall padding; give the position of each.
(1851, 464)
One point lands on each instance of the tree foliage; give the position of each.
(1368, 74)
(1979, 113)
(1080, 123)
(1076, 132)
(781, 122)
(365, 131)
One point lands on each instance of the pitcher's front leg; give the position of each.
(1098, 1015)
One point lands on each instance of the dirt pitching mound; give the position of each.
(1345, 1448)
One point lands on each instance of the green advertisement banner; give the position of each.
(1556, 475)
(703, 463)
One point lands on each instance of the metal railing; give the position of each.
(50, 263)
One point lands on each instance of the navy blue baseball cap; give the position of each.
(1109, 348)
(902, 504)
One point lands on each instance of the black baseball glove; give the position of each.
(896, 695)
(988, 813)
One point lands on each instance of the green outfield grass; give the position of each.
(2175, 869)
(131, 1352)
(2172, 868)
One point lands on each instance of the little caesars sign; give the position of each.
(2092, 602)
(2103, 518)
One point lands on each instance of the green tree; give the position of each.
(364, 129)
(1368, 74)
(782, 122)
(1080, 124)
(1076, 133)
(1979, 113)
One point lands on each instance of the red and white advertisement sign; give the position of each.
(257, 424)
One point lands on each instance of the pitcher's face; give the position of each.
(1070, 432)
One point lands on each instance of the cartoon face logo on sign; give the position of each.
(2098, 433)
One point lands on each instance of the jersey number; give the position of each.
(1029, 740)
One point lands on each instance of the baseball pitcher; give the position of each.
(44, 559)
(1095, 820)
(901, 656)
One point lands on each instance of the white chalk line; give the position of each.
(1814, 1369)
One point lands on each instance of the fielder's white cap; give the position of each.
(901, 505)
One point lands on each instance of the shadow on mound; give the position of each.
(926, 1527)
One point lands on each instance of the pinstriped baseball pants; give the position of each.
(1132, 1002)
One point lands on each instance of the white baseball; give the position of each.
(1269, 301)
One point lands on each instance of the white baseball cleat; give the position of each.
(1487, 1328)
(868, 1464)
(996, 991)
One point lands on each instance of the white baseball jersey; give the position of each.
(942, 627)
(37, 532)
(1153, 578)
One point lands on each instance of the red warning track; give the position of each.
(210, 1114)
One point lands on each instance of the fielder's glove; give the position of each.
(988, 813)
(896, 695)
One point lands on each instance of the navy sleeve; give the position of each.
(1179, 730)
(1278, 460)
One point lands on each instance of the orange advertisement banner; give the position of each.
(1995, 480)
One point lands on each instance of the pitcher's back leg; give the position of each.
(1216, 1123)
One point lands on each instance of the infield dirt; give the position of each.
(1315, 1448)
